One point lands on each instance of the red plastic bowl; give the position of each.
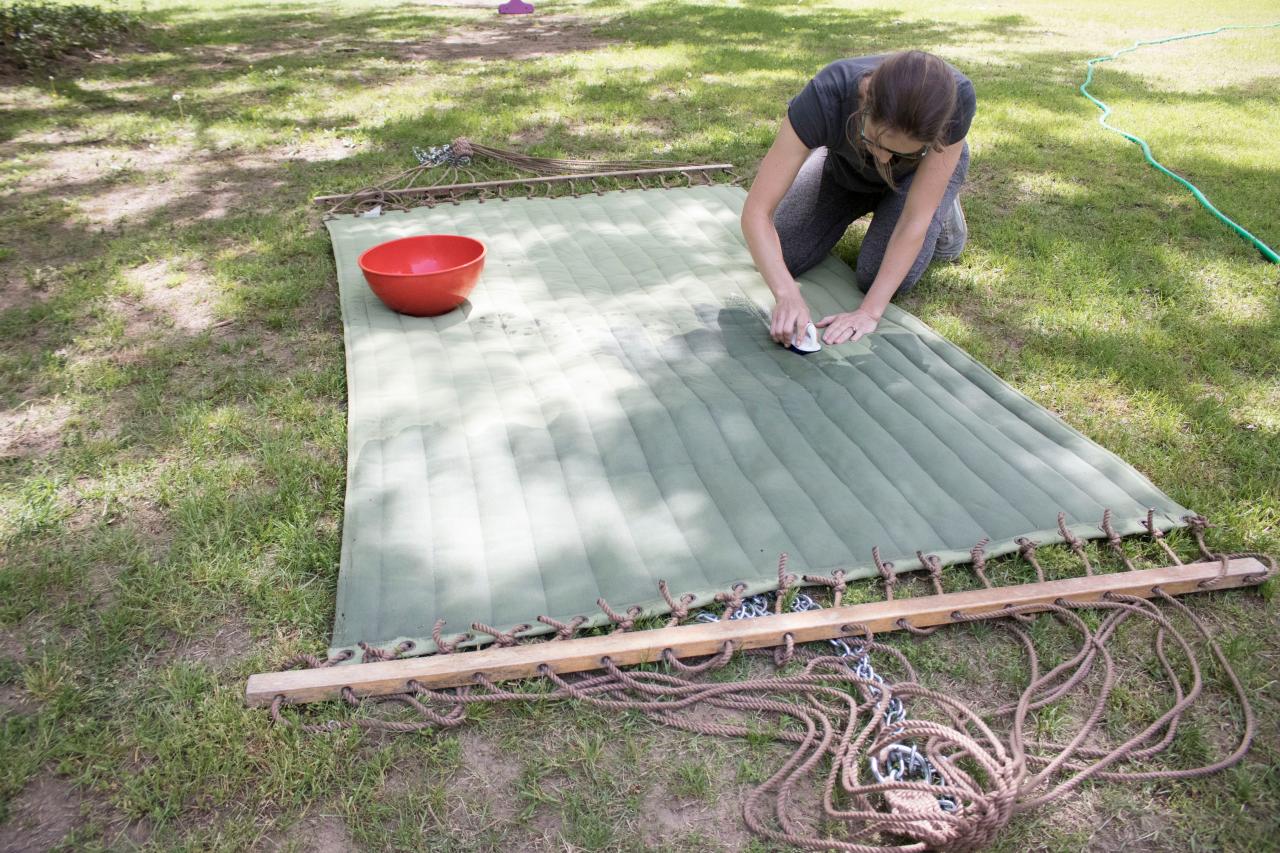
(426, 275)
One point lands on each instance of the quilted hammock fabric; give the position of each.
(608, 410)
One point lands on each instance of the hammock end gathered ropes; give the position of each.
(1263, 249)
(938, 775)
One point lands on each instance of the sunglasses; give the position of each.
(868, 141)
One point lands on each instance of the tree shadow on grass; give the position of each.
(719, 39)
(190, 216)
(760, 39)
(256, 54)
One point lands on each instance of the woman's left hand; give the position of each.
(849, 326)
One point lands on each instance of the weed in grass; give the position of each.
(1269, 590)
(1127, 710)
(1247, 782)
(692, 779)
(585, 826)
(1050, 723)
(759, 846)
(753, 769)
(1191, 746)
(587, 751)
(1242, 652)
(534, 787)
(38, 507)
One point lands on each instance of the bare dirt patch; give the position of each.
(501, 38)
(486, 777)
(202, 187)
(323, 833)
(25, 288)
(13, 643)
(1088, 813)
(230, 640)
(462, 4)
(180, 294)
(134, 507)
(51, 808)
(15, 701)
(46, 812)
(65, 161)
(114, 186)
(512, 39)
(669, 818)
(34, 429)
(490, 773)
(324, 151)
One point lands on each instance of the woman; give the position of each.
(875, 134)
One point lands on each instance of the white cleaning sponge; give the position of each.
(807, 344)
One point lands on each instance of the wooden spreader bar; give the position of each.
(519, 182)
(707, 638)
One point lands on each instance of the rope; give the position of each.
(988, 776)
(1263, 249)
(946, 777)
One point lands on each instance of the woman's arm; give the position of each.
(777, 172)
(927, 189)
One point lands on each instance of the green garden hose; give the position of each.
(1263, 249)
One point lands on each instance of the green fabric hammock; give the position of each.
(608, 411)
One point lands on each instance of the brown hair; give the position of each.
(912, 93)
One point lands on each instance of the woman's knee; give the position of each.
(800, 257)
(814, 214)
(865, 273)
(798, 205)
(864, 276)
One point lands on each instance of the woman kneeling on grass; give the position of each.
(874, 134)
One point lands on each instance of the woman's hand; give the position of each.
(849, 326)
(790, 317)
(777, 173)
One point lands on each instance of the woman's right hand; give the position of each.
(790, 318)
(777, 172)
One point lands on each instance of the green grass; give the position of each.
(170, 512)
(35, 35)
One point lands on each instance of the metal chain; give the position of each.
(436, 155)
(756, 605)
(901, 762)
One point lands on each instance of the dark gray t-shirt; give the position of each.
(820, 113)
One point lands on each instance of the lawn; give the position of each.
(172, 419)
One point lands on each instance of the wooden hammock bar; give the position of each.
(519, 182)
(707, 638)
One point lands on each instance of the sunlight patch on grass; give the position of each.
(1240, 59)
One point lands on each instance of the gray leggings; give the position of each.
(815, 213)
